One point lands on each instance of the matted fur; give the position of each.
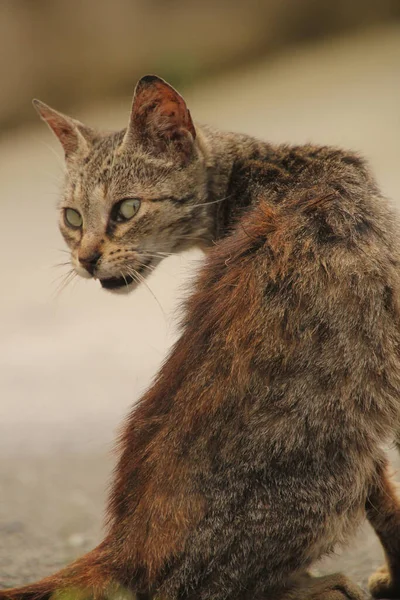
(257, 449)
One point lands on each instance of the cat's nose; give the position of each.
(89, 261)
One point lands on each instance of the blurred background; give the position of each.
(73, 360)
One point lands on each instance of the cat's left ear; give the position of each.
(73, 135)
(160, 119)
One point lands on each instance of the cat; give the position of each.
(257, 450)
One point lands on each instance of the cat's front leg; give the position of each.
(383, 512)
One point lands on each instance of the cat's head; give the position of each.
(133, 197)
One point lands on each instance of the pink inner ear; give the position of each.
(159, 104)
(65, 133)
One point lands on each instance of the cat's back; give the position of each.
(307, 288)
(276, 170)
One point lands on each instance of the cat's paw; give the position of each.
(339, 587)
(329, 587)
(381, 584)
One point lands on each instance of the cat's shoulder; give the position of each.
(296, 163)
(276, 171)
(331, 192)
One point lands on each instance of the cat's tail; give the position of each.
(87, 578)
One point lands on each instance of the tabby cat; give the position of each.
(258, 448)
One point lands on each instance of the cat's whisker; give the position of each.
(74, 281)
(153, 268)
(151, 254)
(62, 264)
(156, 253)
(67, 278)
(61, 276)
(149, 267)
(54, 179)
(60, 161)
(133, 273)
(211, 202)
(190, 238)
(73, 277)
(124, 278)
(141, 279)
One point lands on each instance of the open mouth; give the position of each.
(114, 283)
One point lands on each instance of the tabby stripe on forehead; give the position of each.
(174, 200)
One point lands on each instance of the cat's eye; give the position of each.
(127, 209)
(73, 218)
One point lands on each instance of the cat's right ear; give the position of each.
(160, 120)
(73, 135)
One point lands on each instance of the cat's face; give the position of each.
(131, 198)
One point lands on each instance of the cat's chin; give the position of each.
(125, 283)
(119, 285)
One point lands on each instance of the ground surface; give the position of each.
(71, 365)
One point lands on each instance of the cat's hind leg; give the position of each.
(383, 512)
(330, 587)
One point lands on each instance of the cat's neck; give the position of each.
(229, 157)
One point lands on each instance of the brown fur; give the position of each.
(258, 448)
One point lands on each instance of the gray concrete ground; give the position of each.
(72, 364)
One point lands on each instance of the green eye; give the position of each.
(128, 208)
(73, 218)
